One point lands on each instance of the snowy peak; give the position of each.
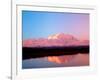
(61, 36)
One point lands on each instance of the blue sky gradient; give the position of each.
(39, 24)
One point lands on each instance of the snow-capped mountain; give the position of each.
(60, 39)
(62, 36)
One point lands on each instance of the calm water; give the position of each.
(55, 61)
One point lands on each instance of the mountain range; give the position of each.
(59, 39)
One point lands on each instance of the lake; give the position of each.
(57, 61)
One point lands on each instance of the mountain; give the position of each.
(62, 36)
(60, 39)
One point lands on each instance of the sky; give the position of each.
(41, 24)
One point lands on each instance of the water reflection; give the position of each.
(61, 59)
(57, 61)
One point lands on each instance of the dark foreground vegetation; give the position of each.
(29, 52)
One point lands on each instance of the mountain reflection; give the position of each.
(57, 61)
(61, 59)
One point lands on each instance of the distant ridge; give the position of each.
(30, 52)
